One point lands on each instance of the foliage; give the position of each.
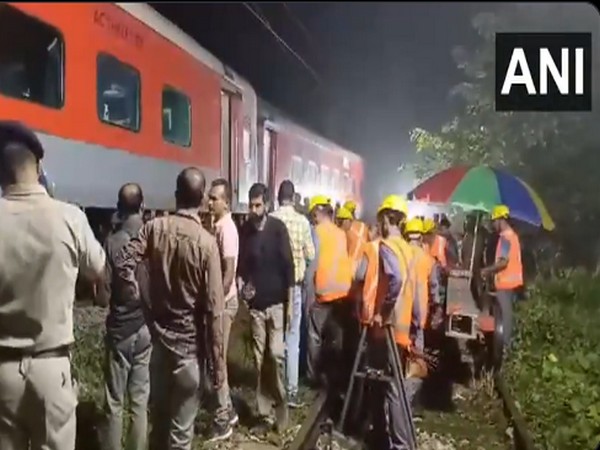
(554, 152)
(554, 370)
(88, 359)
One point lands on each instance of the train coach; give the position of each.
(314, 164)
(117, 93)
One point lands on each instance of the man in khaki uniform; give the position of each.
(186, 293)
(44, 244)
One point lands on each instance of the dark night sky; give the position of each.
(383, 68)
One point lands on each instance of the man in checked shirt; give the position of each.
(186, 293)
(303, 249)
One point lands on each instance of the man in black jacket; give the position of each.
(266, 270)
(128, 343)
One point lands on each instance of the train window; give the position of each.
(312, 172)
(336, 180)
(325, 176)
(31, 59)
(296, 174)
(176, 117)
(347, 184)
(118, 92)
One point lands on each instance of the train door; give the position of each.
(231, 136)
(226, 135)
(267, 158)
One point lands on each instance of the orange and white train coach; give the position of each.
(117, 93)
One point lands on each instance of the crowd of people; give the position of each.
(174, 286)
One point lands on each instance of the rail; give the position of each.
(316, 421)
(307, 436)
(521, 437)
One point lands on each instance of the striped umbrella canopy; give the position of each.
(480, 188)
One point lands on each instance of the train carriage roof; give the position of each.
(153, 19)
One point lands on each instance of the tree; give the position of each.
(557, 153)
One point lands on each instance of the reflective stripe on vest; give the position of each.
(512, 276)
(333, 276)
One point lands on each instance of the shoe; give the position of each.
(220, 432)
(234, 419)
(294, 401)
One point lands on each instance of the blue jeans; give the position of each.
(292, 342)
(127, 368)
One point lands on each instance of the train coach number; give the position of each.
(118, 29)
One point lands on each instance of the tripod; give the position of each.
(362, 371)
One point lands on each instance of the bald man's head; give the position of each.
(191, 185)
(130, 200)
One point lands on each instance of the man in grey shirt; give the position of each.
(128, 343)
(44, 245)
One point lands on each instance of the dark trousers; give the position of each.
(332, 339)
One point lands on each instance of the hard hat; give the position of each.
(500, 212)
(350, 205)
(319, 200)
(414, 226)
(428, 225)
(394, 203)
(343, 214)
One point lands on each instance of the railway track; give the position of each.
(318, 432)
(435, 432)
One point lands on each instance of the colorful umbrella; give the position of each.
(481, 188)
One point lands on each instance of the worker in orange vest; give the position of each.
(437, 308)
(426, 296)
(388, 294)
(330, 310)
(344, 220)
(357, 233)
(428, 234)
(429, 288)
(507, 268)
(443, 251)
(438, 248)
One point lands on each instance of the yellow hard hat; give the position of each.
(343, 214)
(414, 226)
(394, 203)
(318, 200)
(428, 225)
(350, 205)
(500, 212)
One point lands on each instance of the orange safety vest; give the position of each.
(357, 236)
(438, 250)
(333, 276)
(375, 287)
(424, 264)
(512, 276)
